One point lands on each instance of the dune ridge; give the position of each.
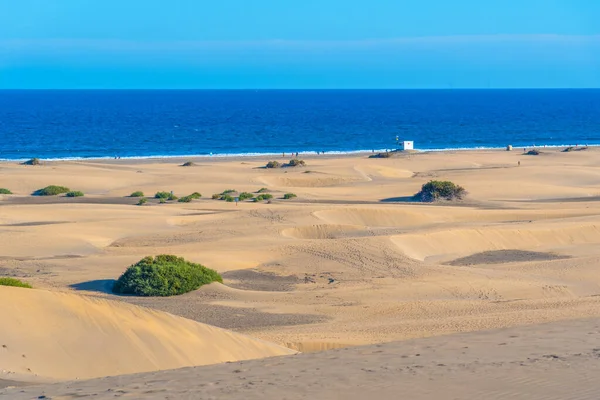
(59, 336)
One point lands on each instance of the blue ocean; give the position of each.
(53, 124)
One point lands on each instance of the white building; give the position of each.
(407, 145)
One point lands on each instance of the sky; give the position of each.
(306, 44)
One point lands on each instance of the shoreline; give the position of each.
(305, 154)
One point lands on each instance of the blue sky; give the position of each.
(299, 44)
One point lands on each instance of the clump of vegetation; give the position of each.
(75, 193)
(188, 164)
(14, 282)
(195, 195)
(5, 191)
(440, 190)
(288, 196)
(162, 201)
(52, 190)
(264, 196)
(273, 164)
(225, 195)
(162, 195)
(386, 154)
(185, 199)
(137, 194)
(533, 152)
(33, 161)
(296, 163)
(164, 275)
(165, 195)
(228, 198)
(143, 201)
(229, 191)
(245, 196)
(217, 196)
(262, 190)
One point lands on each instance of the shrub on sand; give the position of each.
(264, 196)
(288, 196)
(296, 163)
(273, 164)
(5, 191)
(162, 201)
(162, 195)
(228, 198)
(217, 196)
(185, 199)
(52, 190)
(195, 195)
(440, 190)
(164, 275)
(137, 194)
(262, 190)
(143, 201)
(229, 191)
(245, 196)
(14, 282)
(33, 161)
(386, 154)
(172, 197)
(75, 193)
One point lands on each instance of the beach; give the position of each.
(352, 260)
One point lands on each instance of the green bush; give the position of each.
(262, 190)
(143, 201)
(172, 197)
(33, 161)
(14, 282)
(217, 196)
(440, 190)
(273, 164)
(195, 195)
(5, 191)
(162, 195)
(185, 199)
(264, 196)
(245, 196)
(52, 190)
(229, 191)
(288, 196)
(162, 201)
(75, 193)
(387, 154)
(164, 275)
(296, 163)
(228, 198)
(137, 194)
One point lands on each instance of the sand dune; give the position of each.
(60, 336)
(542, 362)
(459, 242)
(319, 231)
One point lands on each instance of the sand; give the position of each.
(350, 261)
(56, 336)
(545, 362)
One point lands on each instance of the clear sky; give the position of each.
(299, 43)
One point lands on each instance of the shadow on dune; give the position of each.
(402, 199)
(99, 285)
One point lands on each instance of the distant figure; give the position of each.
(284, 154)
(519, 163)
(296, 154)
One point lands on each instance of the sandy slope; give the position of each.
(543, 362)
(348, 262)
(48, 335)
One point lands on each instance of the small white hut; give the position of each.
(407, 145)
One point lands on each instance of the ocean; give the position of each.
(72, 124)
